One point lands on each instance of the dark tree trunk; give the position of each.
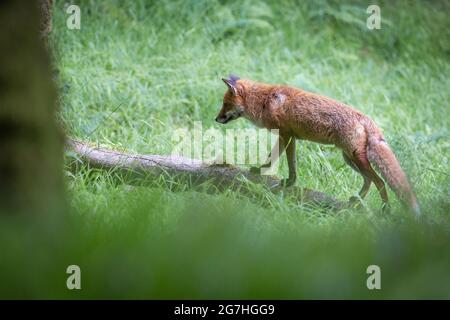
(31, 144)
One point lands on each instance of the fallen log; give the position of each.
(135, 167)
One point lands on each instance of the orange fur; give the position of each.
(307, 116)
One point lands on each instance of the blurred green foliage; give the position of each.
(137, 70)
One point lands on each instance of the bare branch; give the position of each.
(136, 166)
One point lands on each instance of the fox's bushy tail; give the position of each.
(379, 154)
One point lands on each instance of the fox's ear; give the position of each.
(231, 84)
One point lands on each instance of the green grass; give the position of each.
(135, 72)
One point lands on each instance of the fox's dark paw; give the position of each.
(354, 202)
(255, 170)
(386, 208)
(287, 182)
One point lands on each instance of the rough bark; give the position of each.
(135, 167)
(46, 26)
(31, 144)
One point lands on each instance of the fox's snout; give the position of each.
(222, 118)
(232, 108)
(225, 117)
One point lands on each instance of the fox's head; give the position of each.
(233, 102)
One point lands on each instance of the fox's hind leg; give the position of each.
(367, 182)
(359, 159)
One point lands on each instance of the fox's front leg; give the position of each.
(292, 163)
(274, 155)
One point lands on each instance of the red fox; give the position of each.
(298, 114)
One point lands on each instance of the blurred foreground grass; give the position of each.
(143, 243)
